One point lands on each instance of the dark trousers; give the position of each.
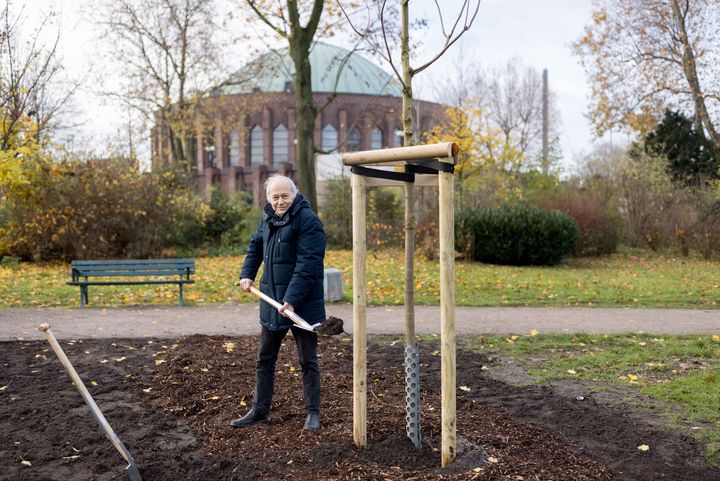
(270, 341)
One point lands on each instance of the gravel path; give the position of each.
(241, 319)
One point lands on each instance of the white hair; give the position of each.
(276, 177)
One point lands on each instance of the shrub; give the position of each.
(599, 222)
(224, 218)
(336, 213)
(96, 209)
(385, 215)
(705, 235)
(517, 234)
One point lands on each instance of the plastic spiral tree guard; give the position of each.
(412, 394)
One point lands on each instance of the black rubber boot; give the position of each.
(312, 421)
(249, 419)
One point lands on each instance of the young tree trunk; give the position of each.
(408, 136)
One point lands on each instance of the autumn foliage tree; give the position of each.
(645, 56)
(30, 95)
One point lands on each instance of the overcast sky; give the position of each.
(537, 33)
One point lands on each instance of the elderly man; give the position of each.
(291, 242)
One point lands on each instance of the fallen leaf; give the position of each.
(4, 387)
(212, 398)
(25, 463)
(644, 447)
(465, 388)
(534, 332)
(147, 390)
(119, 359)
(571, 371)
(492, 460)
(229, 347)
(103, 361)
(71, 458)
(94, 383)
(159, 361)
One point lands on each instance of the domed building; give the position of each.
(245, 129)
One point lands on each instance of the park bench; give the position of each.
(106, 273)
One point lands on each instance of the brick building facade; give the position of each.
(245, 131)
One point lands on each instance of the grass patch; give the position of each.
(627, 279)
(681, 371)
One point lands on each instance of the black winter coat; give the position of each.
(293, 250)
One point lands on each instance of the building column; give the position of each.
(267, 136)
(317, 134)
(200, 151)
(342, 129)
(389, 133)
(292, 140)
(220, 161)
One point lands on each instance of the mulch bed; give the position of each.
(171, 401)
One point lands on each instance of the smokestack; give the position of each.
(545, 143)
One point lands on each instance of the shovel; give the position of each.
(131, 469)
(299, 321)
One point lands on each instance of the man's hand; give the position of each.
(246, 284)
(286, 307)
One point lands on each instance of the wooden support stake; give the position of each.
(447, 315)
(415, 152)
(359, 196)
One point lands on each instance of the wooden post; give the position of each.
(359, 196)
(446, 184)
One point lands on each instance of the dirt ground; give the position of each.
(170, 402)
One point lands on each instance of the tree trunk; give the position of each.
(305, 121)
(703, 122)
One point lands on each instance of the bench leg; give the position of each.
(181, 298)
(83, 295)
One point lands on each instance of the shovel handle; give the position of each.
(104, 425)
(299, 321)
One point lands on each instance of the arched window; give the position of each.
(234, 148)
(353, 140)
(256, 145)
(280, 144)
(376, 139)
(329, 138)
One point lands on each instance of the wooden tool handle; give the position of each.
(80, 386)
(299, 321)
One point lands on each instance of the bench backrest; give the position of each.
(129, 267)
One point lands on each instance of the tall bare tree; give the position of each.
(297, 22)
(512, 101)
(167, 58)
(30, 92)
(645, 56)
(376, 12)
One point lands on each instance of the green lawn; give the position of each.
(634, 278)
(681, 372)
